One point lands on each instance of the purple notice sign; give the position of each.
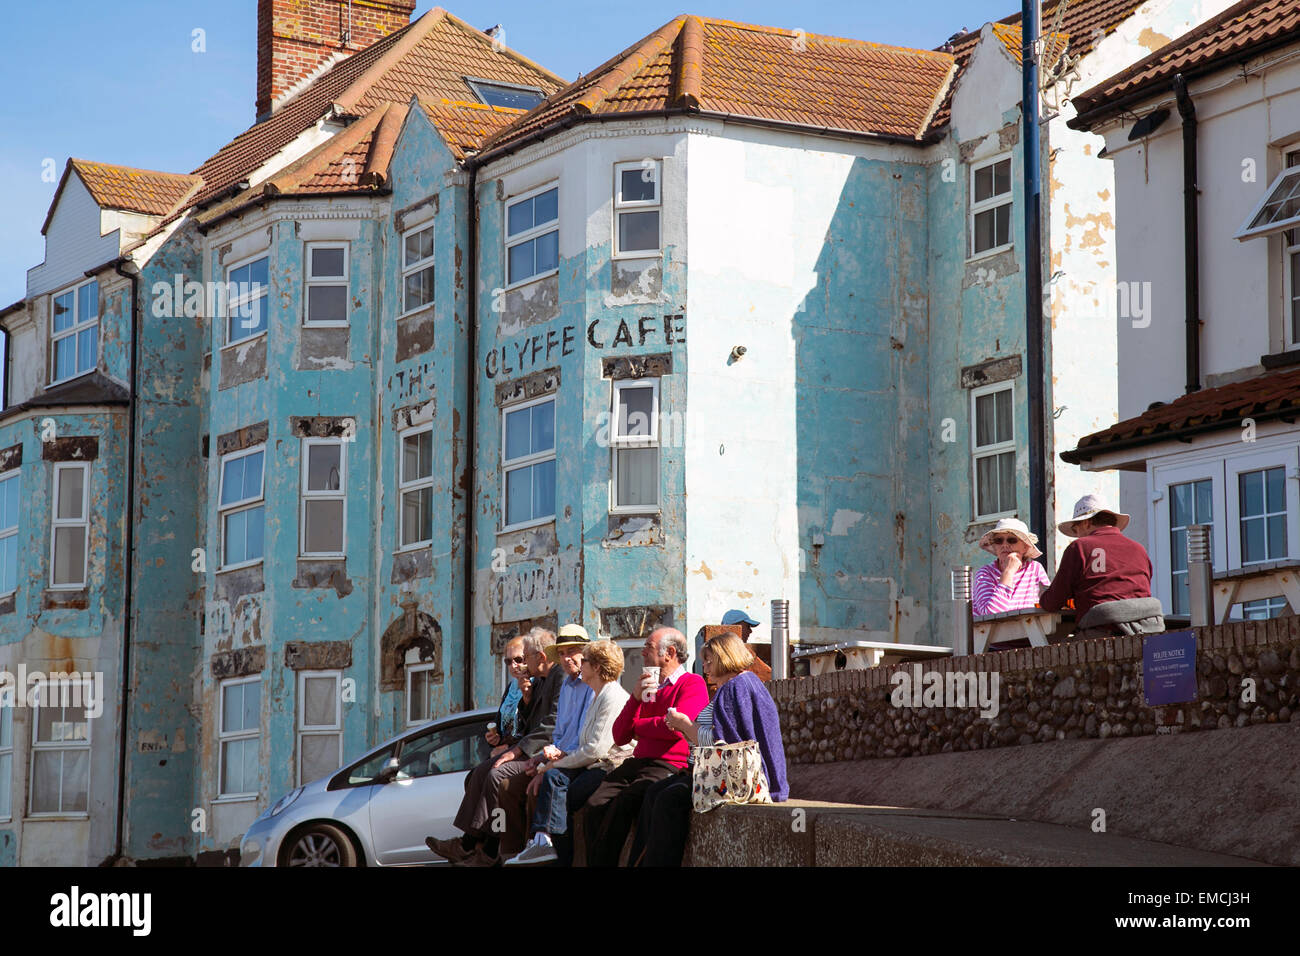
(1169, 668)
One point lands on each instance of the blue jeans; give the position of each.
(552, 813)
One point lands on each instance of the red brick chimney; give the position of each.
(294, 37)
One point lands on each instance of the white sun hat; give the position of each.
(1019, 529)
(1085, 508)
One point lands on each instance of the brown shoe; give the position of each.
(479, 858)
(450, 850)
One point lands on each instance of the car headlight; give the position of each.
(284, 802)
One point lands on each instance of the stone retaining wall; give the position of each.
(1060, 692)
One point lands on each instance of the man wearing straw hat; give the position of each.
(1107, 574)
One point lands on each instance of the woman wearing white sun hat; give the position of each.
(1013, 581)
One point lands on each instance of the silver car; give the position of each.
(378, 810)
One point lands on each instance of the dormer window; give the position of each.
(505, 94)
(74, 332)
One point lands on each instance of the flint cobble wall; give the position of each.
(1060, 692)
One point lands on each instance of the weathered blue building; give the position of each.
(442, 347)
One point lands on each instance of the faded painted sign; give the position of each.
(527, 589)
(669, 331)
(523, 354)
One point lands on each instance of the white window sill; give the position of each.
(245, 340)
(408, 548)
(417, 310)
(239, 566)
(638, 254)
(72, 378)
(531, 279)
(237, 798)
(326, 325)
(52, 817)
(63, 587)
(985, 519)
(633, 511)
(987, 253)
(527, 524)
(322, 556)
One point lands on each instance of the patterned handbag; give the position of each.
(728, 773)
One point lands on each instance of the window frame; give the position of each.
(420, 265)
(306, 495)
(406, 486)
(1165, 477)
(514, 464)
(303, 729)
(13, 474)
(74, 330)
(995, 201)
(534, 232)
(1290, 255)
(474, 82)
(1284, 457)
(978, 452)
(622, 206)
(226, 736)
(411, 670)
(1291, 222)
(39, 747)
(234, 302)
(619, 442)
(7, 699)
(309, 281)
(83, 522)
(244, 504)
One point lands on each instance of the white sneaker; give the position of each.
(537, 852)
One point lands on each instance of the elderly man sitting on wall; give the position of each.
(1107, 574)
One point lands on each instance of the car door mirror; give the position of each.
(391, 767)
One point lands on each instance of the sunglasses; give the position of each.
(514, 660)
(1003, 540)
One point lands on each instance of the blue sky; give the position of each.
(120, 83)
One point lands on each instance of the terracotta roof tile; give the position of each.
(1085, 24)
(720, 67)
(136, 190)
(464, 125)
(431, 57)
(1266, 396)
(146, 191)
(1238, 33)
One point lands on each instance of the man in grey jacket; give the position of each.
(479, 845)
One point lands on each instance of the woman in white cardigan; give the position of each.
(563, 785)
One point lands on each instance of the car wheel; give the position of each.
(321, 845)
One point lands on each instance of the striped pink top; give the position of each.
(991, 596)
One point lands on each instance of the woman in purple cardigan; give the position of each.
(742, 709)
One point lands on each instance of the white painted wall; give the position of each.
(760, 208)
(73, 242)
(1241, 306)
(1241, 282)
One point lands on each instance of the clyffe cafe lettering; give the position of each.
(536, 351)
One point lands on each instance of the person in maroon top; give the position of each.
(1103, 567)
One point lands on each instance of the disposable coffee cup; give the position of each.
(652, 693)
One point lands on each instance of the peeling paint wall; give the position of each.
(811, 254)
(558, 335)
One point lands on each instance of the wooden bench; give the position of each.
(1255, 582)
(1032, 624)
(860, 655)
